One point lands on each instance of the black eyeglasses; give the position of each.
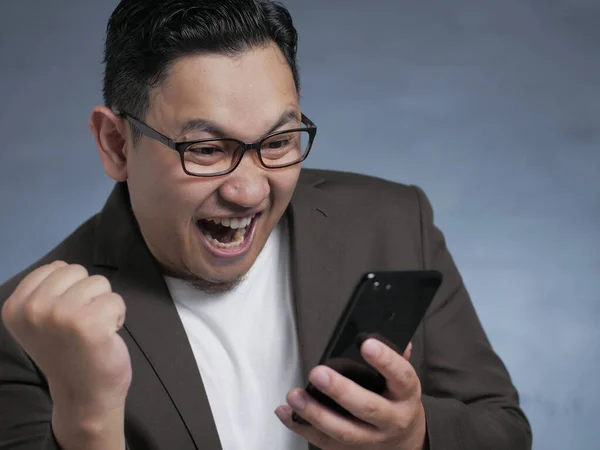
(220, 156)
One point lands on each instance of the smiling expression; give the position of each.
(213, 229)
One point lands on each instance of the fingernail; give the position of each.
(283, 412)
(320, 379)
(297, 401)
(371, 348)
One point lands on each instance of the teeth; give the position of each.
(243, 223)
(235, 222)
(238, 240)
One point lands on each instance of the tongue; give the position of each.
(219, 232)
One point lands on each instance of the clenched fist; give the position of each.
(68, 323)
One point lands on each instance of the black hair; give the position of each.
(144, 37)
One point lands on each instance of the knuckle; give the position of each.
(67, 321)
(337, 387)
(371, 410)
(405, 419)
(57, 263)
(96, 336)
(68, 318)
(31, 281)
(77, 270)
(61, 316)
(349, 436)
(115, 302)
(387, 358)
(116, 299)
(9, 310)
(100, 282)
(34, 312)
(48, 268)
(83, 329)
(314, 413)
(403, 422)
(406, 376)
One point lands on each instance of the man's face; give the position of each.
(245, 96)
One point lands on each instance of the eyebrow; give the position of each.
(206, 126)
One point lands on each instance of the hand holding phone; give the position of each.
(387, 306)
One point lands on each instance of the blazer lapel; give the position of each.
(323, 273)
(323, 278)
(153, 321)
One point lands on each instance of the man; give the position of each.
(199, 299)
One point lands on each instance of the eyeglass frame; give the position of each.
(182, 146)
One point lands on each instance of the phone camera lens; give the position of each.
(388, 287)
(376, 284)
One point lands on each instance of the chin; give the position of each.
(218, 279)
(215, 287)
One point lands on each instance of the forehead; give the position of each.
(242, 92)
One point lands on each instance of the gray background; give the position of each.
(493, 107)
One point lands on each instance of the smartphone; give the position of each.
(388, 306)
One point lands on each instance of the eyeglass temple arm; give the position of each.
(308, 122)
(145, 129)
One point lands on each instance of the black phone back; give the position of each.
(388, 306)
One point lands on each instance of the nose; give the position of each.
(248, 185)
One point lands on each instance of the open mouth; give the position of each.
(227, 234)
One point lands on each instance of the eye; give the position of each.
(207, 153)
(275, 145)
(283, 142)
(204, 151)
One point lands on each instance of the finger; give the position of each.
(408, 352)
(94, 323)
(309, 433)
(107, 311)
(57, 283)
(402, 380)
(358, 401)
(330, 424)
(32, 281)
(85, 290)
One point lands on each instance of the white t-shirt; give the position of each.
(246, 348)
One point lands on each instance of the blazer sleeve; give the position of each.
(468, 396)
(25, 402)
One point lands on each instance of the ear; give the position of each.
(110, 133)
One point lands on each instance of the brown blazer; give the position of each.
(342, 225)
